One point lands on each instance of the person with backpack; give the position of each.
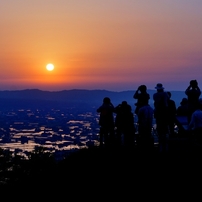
(124, 124)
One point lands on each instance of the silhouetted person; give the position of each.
(182, 110)
(195, 125)
(193, 93)
(124, 123)
(145, 125)
(142, 97)
(106, 121)
(172, 110)
(161, 115)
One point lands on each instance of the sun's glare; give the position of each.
(50, 67)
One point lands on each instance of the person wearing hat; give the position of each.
(161, 115)
(193, 93)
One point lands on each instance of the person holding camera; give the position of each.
(193, 93)
(142, 97)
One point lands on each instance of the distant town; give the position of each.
(59, 121)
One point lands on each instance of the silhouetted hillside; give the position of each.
(88, 170)
(39, 98)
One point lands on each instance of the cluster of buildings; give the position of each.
(57, 130)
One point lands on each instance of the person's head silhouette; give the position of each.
(106, 100)
(193, 83)
(142, 88)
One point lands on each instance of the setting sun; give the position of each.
(49, 67)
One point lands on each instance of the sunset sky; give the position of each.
(108, 44)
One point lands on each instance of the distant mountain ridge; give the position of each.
(80, 96)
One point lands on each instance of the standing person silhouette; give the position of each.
(106, 122)
(124, 123)
(172, 110)
(195, 125)
(193, 93)
(142, 97)
(161, 115)
(182, 110)
(145, 123)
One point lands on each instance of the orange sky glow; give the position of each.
(112, 45)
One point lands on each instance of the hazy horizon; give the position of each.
(83, 89)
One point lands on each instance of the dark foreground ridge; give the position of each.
(101, 169)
